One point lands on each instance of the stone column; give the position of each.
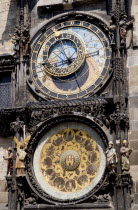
(132, 65)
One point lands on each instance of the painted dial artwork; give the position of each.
(64, 55)
(70, 60)
(70, 160)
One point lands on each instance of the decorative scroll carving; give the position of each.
(102, 198)
(119, 118)
(41, 111)
(21, 38)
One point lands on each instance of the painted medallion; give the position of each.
(70, 160)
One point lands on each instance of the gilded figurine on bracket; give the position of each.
(10, 162)
(20, 155)
(111, 157)
(125, 153)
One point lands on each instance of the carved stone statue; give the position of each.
(111, 157)
(10, 162)
(125, 153)
(124, 28)
(112, 32)
(20, 155)
(20, 165)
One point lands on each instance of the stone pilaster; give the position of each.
(132, 64)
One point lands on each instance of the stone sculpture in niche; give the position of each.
(111, 157)
(125, 153)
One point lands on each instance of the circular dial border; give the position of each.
(74, 64)
(43, 81)
(53, 185)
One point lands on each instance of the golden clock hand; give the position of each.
(62, 46)
(52, 63)
(72, 55)
(58, 56)
(61, 51)
(92, 54)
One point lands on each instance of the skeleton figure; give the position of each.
(10, 162)
(111, 157)
(125, 153)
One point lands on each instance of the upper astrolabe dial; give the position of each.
(70, 60)
(64, 53)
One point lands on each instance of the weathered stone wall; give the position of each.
(41, 9)
(132, 64)
(8, 10)
(7, 23)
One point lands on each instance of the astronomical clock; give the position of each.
(69, 105)
(70, 61)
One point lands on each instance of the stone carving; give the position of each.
(10, 162)
(20, 156)
(17, 125)
(20, 165)
(30, 200)
(125, 25)
(112, 32)
(67, 1)
(111, 157)
(125, 153)
(102, 198)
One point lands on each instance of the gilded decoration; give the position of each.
(70, 160)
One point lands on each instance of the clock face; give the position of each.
(65, 54)
(70, 60)
(69, 161)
